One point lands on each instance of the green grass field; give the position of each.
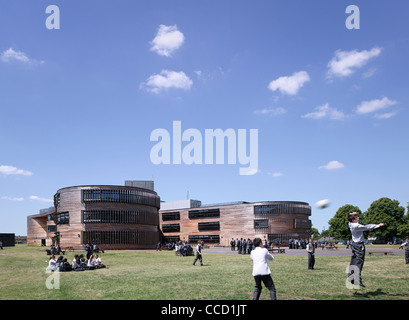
(151, 275)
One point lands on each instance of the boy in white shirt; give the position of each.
(358, 245)
(261, 271)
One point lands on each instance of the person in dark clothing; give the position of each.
(198, 254)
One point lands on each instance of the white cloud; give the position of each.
(332, 165)
(290, 84)
(344, 63)
(10, 55)
(325, 111)
(167, 40)
(40, 199)
(167, 79)
(387, 115)
(374, 105)
(275, 174)
(270, 111)
(13, 170)
(12, 199)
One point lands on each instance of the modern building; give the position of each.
(133, 217)
(113, 217)
(217, 224)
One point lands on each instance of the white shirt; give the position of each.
(357, 230)
(260, 256)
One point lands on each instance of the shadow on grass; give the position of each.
(371, 294)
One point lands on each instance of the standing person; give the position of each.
(232, 244)
(358, 245)
(198, 254)
(239, 245)
(311, 257)
(261, 271)
(406, 244)
(243, 246)
(249, 246)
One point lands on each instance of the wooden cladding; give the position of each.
(242, 220)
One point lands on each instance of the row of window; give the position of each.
(193, 214)
(262, 211)
(193, 239)
(202, 226)
(121, 196)
(120, 237)
(282, 208)
(120, 216)
(111, 216)
(259, 224)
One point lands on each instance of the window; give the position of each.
(122, 196)
(168, 216)
(51, 228)
(260, 224)
(302, 223)
(205, 238)
(120, 237)
(204, 226)
(57, 200)
(282, 208)
(120, 216)
(62, 218)
(171, 227)
(205, 213)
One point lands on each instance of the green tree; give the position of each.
(387, 211)
(338, 225)
(403, 229)
(315, 232)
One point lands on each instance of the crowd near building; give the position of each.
(133, 217)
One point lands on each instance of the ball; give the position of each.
(322, 204)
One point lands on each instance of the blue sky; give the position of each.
(78, 104)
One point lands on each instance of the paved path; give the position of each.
(318, 251)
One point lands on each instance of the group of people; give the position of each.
(298, 244)
(79, 263)
(91, 260)
(243, 245)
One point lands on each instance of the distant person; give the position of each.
(406, 244)
(261, 271)
(311, 257)
(232, 245)
(1, 245)
(358, 246)
(198, 254)
(98, 263)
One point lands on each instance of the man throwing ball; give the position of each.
(358, 247)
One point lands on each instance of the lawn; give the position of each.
(152, 275)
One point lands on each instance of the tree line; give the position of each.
(385, 210)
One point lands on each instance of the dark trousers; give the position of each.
(198, 256)
(268, 282)
(357, 258)
(407, 256)
(311, 260)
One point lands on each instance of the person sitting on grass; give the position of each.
(91, 263)
(98, 262)
(51, 264)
